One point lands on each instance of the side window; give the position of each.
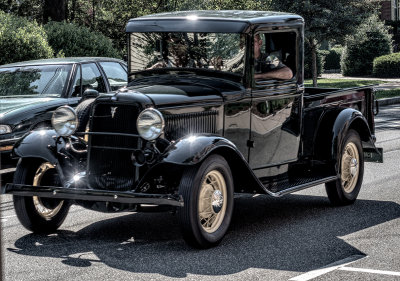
(91, 78)
(274, 56)
(116, 75)
(76, 88)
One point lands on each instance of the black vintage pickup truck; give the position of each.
(215, 106)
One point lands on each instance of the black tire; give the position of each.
(195, 231)
(83, 113)
(26, 207)
(344, 192)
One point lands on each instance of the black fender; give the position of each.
(47, 145)
(333, 128)
(346, 120)
(193, 149)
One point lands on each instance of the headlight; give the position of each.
(64, 121)
(150, 124)
(5, 129)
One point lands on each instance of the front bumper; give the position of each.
(93, 195)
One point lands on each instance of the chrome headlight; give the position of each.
(5, 129)
(64, 120)
(150, 124)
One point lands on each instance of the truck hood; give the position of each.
(183, 91)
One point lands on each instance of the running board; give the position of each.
(278, 189)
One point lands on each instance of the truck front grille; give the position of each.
(109, 161)
(179, 125)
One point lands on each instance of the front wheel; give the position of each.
(41, 215)
(345, 189)
(208, 202)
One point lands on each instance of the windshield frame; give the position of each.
(236, 77)
(65, 90)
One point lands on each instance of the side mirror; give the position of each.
(89, 93)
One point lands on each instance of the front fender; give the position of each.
(47, 145)
(195, 148)
(38, 144)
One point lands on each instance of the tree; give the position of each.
(22, 39)
(54, 10)
(327, 20)
(372, 39)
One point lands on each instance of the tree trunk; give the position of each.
(314, 62)
(54, 10)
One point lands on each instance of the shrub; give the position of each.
(332, 59)
(371, 40)
(21, 39)
(308, 61)
(72, 40)
(387, 66)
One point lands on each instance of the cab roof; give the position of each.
(210, 21)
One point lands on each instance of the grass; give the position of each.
(387, 93)
(341, 83)
(349, 83)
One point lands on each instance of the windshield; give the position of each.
(34, 81)
(222, 52)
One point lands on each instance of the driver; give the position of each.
(268, 66)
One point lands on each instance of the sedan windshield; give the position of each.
(43, 80)
(222, 52)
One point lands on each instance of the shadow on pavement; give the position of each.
(296, 233)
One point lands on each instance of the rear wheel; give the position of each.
(208, 202)
(344, 190)
(43, 215)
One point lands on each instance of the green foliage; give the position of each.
(387, 94)
(387, 66)
(31, 9)
(332, 58)
(308, 72)
(70, 40)
(371, 40)
(327, 19)
(21, 39)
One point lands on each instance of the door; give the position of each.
(276, 103)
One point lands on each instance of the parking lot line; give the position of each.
(374, 271)
(330, 267)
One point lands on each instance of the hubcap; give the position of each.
(42, 207)
(350, 167)
(217, 201)
(212, 201)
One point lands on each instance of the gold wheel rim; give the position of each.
(350, 167)
(42, 210)
(212, 201)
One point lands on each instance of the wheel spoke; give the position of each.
(212, 206)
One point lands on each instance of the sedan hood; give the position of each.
(11, 104)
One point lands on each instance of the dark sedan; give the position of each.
(30, 91)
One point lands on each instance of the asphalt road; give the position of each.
(297, 237)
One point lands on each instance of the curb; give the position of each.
(389, 101)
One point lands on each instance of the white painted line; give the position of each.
(3, 220)
(7, 217)
(384, 272)
(324, 270)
